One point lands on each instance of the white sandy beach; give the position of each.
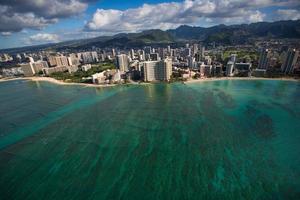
(55, 81)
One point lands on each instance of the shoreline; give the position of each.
(59, 82)
(239, 78)
(54, 81)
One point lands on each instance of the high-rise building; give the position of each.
(132, 54)
(229, 68)
(63, 61)
(73, 60)
(202, 51)
(113, 53)
(142, 55)
(38, 66)
(154, 57)
(187, 52)
(198, 57)
(264, 59)
(169, 50)
(233, 58)
(28, 69)
(157, 70)
(191, 62)
(94, 55)
(52, 61)
(122, 62)
(58, 61)
(195, 49)
(89, 57)
(148, 50)
(290, 61)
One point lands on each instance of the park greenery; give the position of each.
(82, 76)
(241, 55)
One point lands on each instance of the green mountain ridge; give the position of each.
(220, 34)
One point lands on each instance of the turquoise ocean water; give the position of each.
(233, 139)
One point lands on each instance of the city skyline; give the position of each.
(38, 22)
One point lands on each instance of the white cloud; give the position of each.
(191, 12)
(36, 14)
(5, 33)
(43, 38)
(17, 21)
(170, 15)
(256, 16)
(287, 14)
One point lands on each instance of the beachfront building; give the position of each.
(290, 61)
(243, 69)
(73, 60)
(157, 70)
(39, 65)
(58, 61)
(99, 78)
(122, 62)
(207, 70)
(27, 69)
(229, 68)
(264, 59)
(51, 70)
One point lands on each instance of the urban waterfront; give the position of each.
(226, 139)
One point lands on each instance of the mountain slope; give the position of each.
(222, 34)
(239, 33)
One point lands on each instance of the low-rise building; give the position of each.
(99, 78)
(243, 69)
(72, 69)
(51, 70)
(86, 67)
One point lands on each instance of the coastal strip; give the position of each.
(59, 82)
(55, 81)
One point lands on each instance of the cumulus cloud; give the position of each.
(43, 38)
(36, 14)
(287, 14)
(192, 12)
(15, 22)
(5, 33)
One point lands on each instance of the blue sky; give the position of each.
(31, 22)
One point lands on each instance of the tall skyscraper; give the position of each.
(264, 59)
(113, 53)
(191, 62)
(122, 62)
(132, 54)
(187, 52)
(202, 51)
(52, 61)
(195, 49)
(157, 70)
(169, 50)
(63, 61)
(290, 61)
(148, 50)
(229, 68)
